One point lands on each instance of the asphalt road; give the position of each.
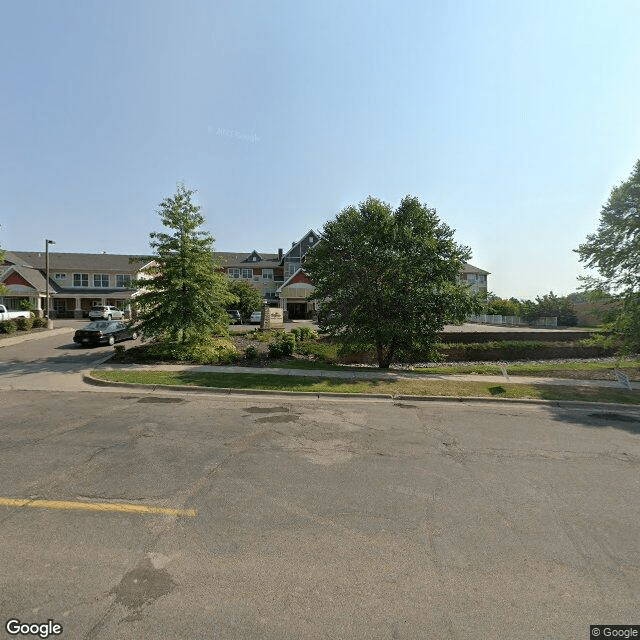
(268, 518)
(315, 519)
(51, 363)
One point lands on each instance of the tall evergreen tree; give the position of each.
(183, 299)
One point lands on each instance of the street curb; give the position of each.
(89, 379)
(47, 333)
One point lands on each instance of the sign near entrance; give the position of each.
(272, 318)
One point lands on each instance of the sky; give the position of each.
(514, 120)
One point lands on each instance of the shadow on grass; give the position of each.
(246, 381)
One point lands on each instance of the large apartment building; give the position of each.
(78, 281)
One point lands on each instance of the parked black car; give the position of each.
(103, 332)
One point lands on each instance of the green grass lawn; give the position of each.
(396, 387)
(574, 370)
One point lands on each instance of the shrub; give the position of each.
(275, 350)
(260, 336)
(204, 351)
(284, 345)
(26, 305)
(321, 350)
(24, 324)
(8, 326)
(39, 322)
(251, 353)
(289, 343)
(302, 334)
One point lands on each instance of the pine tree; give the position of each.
(183, 298)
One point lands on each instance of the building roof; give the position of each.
(230, 259)
(296, 244)
(12, 258)
(32, 276)
(79, 261)
(288, 281)
(62, 292)
(469, 268)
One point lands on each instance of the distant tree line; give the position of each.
(547, 306)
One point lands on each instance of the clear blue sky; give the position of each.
(513, 119)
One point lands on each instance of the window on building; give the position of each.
(247, 273)
(267, 274)
(80, 279)
(290, 268)
(234, 272)
(60, 276)
(123, 280)
(100, 280)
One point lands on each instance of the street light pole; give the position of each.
(46, 252)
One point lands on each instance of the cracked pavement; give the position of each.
(332, 518)
(318, 519)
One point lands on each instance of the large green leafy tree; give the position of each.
(389, 278)
(248, 297)
(183, 299)
(614, 252)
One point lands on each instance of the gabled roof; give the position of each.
(253, 257)
(12, 258)
(230, 259)
(32, 276)
(315, 234)
(288, 281)
(82, 261)
(469, 268)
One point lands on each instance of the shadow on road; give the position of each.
(600, 417)
(67, 357)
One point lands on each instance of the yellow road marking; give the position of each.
(96, 506)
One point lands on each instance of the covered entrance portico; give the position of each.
(294, 297)
(78, 306)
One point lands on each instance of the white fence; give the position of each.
(513, 321)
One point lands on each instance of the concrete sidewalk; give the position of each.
(374, 375)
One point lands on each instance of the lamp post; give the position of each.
(46, 252)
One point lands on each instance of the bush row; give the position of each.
(209, 351)
(22, 324)
(286, 344)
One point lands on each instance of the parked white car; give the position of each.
(256, 317)
(105, 312)
(5, 314)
